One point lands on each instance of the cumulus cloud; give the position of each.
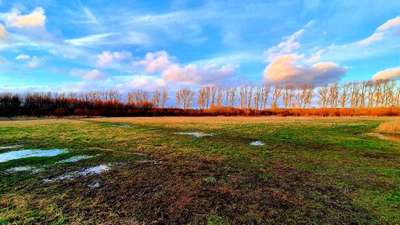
(297, 70)
(190, 74)
(36, 18)
(107, 58)
(388, 74)
(289, 45)
(88, 74)
(389, 27)
(155, 61)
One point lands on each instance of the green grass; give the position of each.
(310, 171)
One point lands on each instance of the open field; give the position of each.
(305, 171)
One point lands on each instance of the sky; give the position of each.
(84, 45)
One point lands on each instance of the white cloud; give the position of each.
(289, 45)
(190, 74)
(89, 40)
(107, 58)
(194, 74)
(143, 82)
(36, 18)
(93, 74)
(388, 74)
(22, 57)
(155, 61)
(389, 27)
(110, 39)
(32, 62)
(295, 70)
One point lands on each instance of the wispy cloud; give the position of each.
(90, 40)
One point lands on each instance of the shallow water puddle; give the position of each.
(257, 143)
(85, 172)
(26, 153)
(122, 125)
(77, 158)
(31, 169)
(195, 134)
(10, 147)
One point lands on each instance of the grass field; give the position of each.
(310, 171)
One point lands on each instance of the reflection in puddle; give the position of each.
(257, 143)
(10, 147)
(21, 154)
(86, 172)
(24, 169)
(77, 158)
(195, 134)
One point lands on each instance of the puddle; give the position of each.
(21, 154)
(85, 172)
(195, 134)
(387, 137)
(77, 158)
(94, 185)
(31, 169)
(122, 125)
(155, 162)
(10, 147)
(257, 143)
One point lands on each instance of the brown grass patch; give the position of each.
(391, 127)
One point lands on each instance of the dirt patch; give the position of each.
(183, 194)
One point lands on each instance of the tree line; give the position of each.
(381, 97)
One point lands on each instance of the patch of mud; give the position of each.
(387, 137)
(10, 147)
(96, 170)
(77, 158)
(257, 143)
(31, 169)
(195, 134)
(26, 153)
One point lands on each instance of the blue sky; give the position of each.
(79, 45)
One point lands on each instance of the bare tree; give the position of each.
(184, 98)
